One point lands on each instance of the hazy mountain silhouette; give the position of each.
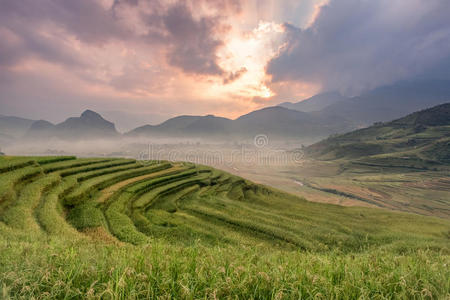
(182, 126)
(275, 121)
(283, 122)
(89, 125)
(315, 103)
(14, 127)
(379, 105)
(323, 114)
(390, 102)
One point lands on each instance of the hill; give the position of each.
(127, 229)
(282, 122)
(182, 126)
(89, 125)
(418, 139)
(277, 122)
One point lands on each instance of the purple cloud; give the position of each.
(191, 42)
(355, 45)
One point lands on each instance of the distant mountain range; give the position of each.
(423, 136)
(311, 119)
(276, 122)
(379, 105)
(316, 117)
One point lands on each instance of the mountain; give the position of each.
(41, 129)
(14, 127)
(278, 122)
(283, 122)
(183, 126)
(391, 102)
(382, 104)
(423, 136)
(89, 125)
(315, 103)
(322, 115)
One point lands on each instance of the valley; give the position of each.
(422, 192)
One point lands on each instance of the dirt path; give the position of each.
(106, 193)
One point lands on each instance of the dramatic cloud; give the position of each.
(191, 42)
(193, 47)
(357, 44)
(161, 58)
(164, 57)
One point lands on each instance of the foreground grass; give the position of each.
(84, 269)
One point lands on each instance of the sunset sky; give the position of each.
(147, 60)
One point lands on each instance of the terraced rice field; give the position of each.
(106, 205)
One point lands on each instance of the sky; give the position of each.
(142, 61)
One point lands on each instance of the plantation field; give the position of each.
(351, 183)
(123, 229)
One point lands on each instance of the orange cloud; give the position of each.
(165, 57)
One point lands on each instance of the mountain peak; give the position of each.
(89, 125)
(41, 124)
(90, 114)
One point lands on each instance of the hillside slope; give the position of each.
(72, 223)
(421, 136)
(133, 201)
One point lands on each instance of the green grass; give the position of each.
(20, 213)
(10, 180)
(96, 180)
(66, 164)
(186, 231)
(49, 214)
(86, 270)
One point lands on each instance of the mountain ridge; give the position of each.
(384, 103)
(315, 103)
(338, 114)
(422, 135)
(275, 121)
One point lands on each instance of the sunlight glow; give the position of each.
(250, 50)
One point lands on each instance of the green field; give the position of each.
(123, 229)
